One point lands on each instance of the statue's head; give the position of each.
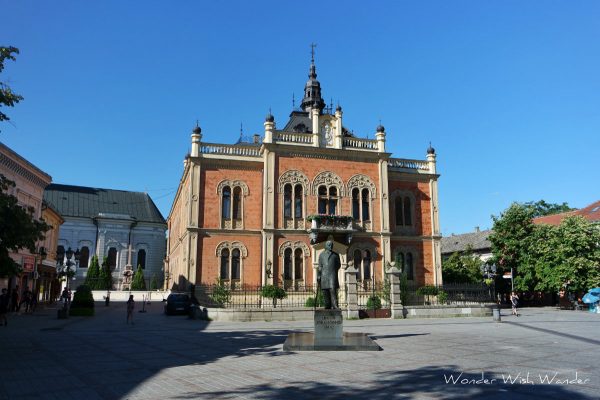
(329, 245)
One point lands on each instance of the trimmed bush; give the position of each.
(374, 303)
(154, 283)
(83, 302)
(442, 297)
(273, 292)
(310, 302)
(138, 282)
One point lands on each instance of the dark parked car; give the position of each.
(178, 303)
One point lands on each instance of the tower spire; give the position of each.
(312, 90)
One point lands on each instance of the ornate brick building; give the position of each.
(258, 213)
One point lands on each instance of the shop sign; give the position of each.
(28, 263)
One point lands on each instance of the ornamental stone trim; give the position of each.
(294, 245)
(361, 181)
(231, 246)
(328, 179)
(232, 183)
(293, 177)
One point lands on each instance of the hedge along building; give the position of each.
(257, 213)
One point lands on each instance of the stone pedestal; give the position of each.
(329, 336)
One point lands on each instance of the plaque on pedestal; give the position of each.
(329, 336)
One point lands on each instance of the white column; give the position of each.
(338, 138)
(315, 126)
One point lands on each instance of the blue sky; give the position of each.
(507, 92)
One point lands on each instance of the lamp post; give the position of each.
(36, 274)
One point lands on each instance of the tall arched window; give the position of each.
(235, 264)
(333, 200)
(225, 264)
(226, 203)
(141, 258)
(322, 200)
(362, 257)
(355, 204)
(112, 258)
(398, 211)
(366, 264)
(237, 203)
(405, 260)
(410, 271)
(298, 264)
(287, 201)
(298, 201)
(357, 258)
(365, 204)
(287, 264)
(407, 212)
(404, 204)
(84, 257)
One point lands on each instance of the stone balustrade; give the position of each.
(230, 149)
(294, 137)
(402, 164)
(361, 144)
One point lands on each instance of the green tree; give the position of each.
(541, 208)
(567, 255)
(138, 282)
(19, 229)
(7, 97)
(105, 276)
(154, 283)
(511, 241)
(462, 268)
(93, 275)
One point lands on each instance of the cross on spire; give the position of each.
(312, 51)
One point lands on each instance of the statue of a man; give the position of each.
(327, 275)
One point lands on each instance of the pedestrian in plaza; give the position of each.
(26, 300)
(14, 299)
(130, 307)
(514, 300)
(3, 307)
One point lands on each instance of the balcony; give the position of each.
(323, 225)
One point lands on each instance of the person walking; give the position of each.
(3, 307)
(14, 299)
(130, 307)
(514, 301)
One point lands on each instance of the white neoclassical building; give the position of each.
(125, 227)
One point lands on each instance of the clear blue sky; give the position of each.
(507, 92)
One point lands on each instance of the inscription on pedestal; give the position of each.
(329, 326)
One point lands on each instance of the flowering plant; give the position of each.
(330, 219)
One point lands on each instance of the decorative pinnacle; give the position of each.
(312, 52)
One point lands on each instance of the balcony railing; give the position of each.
(362, 144)
(418, 166)
(231, 150)
(294, 137)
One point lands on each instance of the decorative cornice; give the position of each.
(361, 181)
(232, 183)
(298, 244)
(293, 176)
(328, 178)
(20, 170)
(231, 246)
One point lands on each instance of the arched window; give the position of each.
(287, 201)
(235, 264)
(357, 258)
(407, 212)
(232, 194)
(298, 264)
(355, 204)
(298, 201)
(112, 258)
(225, 264)
(226, 203)
(287, 264)
(322, 200)
(141, 258)
(405, 261)
(237, 203)
(404, 203)
(329, 188)
(60, 254)
(230, 257)
(365, 205)
(84, 257)
(366, 265)
(333, 199)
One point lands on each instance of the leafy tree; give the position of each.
(510, 238)
(465, 268)
(541, 208)
(273, 292)
(138, 282)
(20, 230)
(93, 275)
(7, 97)
(567, 255)
(105, 276)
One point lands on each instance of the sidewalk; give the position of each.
(162, 357)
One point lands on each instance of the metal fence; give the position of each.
(447, 294)
(252, 296)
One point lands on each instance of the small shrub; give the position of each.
(138, 282)
(221, 294)
(374, 303)
(83, 298)
(273, 292)
(427, 290)
(154, 283)
(442, 297)
(310, 302)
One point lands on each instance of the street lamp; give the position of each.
(68, 264)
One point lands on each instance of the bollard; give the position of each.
(496, 314)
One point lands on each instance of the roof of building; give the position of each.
(11, 160)
(457, 243)
(82, 201)
(591, 213)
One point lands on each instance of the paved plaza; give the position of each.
(174, 357)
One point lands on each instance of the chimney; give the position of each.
(256, 138)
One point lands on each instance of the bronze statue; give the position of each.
(327, 275)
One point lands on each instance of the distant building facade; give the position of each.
(240, 212)
(125, 227)
(38, 268)
(477, 242)
(590, 213)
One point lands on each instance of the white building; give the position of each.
(125, 227)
